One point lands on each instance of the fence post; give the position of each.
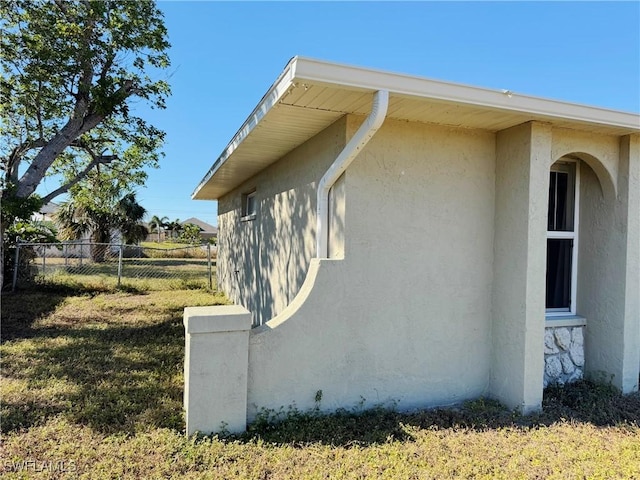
(81, 253)
(16, 266)
(44, 260)
(120, 264)
(65, 254)
(209, 265)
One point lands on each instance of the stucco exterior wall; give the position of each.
(406, 316)
(263, 262)
(434, 290)
(522, 182)
(600, 152)
(608, 291)
(608, 271)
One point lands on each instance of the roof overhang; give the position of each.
(310, 95)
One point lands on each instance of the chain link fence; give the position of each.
(106, 264)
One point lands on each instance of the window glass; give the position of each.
(561, 198)
(561, 238)
(559, 263)
(251, 204)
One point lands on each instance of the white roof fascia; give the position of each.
(367, 79)
(300, 69)
(271, 98)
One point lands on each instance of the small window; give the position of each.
(562, 238)
(249, 205)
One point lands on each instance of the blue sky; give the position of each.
(226, 55)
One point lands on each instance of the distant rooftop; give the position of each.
(204, 226)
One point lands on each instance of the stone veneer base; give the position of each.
(563, 354)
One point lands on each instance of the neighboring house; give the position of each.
(45, 214)
(207, 231)
(510, 258)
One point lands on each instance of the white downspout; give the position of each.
(348, 154)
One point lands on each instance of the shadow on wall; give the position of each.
(264, 261)
(284, 254)
(268, 257)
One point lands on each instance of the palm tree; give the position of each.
(77, 219)
(130, 215)
(156, 223)
(174, 227)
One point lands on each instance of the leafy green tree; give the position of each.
(25, 231)
(70, 71)
(190, 234)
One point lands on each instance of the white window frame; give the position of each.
(249, 206)
(572, 235)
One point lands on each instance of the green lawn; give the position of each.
(92, 384)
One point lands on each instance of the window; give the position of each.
(249, 206)
(562, 238)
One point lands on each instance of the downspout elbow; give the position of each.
(366, 131)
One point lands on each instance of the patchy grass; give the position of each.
(92, 388)
(163, 245)
(140, 274)
(174, 250)
(111, 361)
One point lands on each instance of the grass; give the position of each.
(140, 274)
(92, 388)
(175, 250)
(163, 245)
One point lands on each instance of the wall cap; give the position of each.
(218, 318)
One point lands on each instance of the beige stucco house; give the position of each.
(509, 257)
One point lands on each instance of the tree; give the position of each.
(70, 70)
(191, 234)
(157, 224)
(174, 227)
(29, 232)
(131, 216)
(97, 208)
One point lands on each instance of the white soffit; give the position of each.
(310, 95)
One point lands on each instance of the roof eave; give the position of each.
(271, 98)
(300, 69)
(401, 84)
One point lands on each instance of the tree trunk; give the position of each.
(2, 272)
(47, 155)
(99, 246)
